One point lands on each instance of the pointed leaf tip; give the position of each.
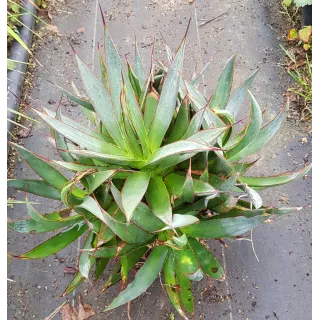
(102, 16)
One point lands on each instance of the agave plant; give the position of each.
(160, 172)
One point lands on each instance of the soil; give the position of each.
(280, 282)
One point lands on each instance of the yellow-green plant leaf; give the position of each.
(159, 201)
(16, 37)
(189, 264)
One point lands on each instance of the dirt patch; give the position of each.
(212, 294)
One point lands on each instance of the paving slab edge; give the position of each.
(15, 78)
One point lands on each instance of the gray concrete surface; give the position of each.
(276, 287)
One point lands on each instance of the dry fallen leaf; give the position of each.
(305, 34)
(54, 30)
(81, 30)
(293, 35)
(70, 270)
(24, 133)
(84, 312)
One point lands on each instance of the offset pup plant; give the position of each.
(161, 171)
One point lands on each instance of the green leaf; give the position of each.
(253, 196)
(37, 187)
(181, 124)
(96, 179)
(239, 95)
(226, 203)
(85, 260)
(176, 152)
(133, 258)
(81, 138)
(243, 209)
(128, 233)
(185, 290)
(124, 269)
(180, 241)
(199, 102)
(222, 228)
(61, 142)
(101, 265)
(243, 167)
(133, 142)
(159, 201)
(181, 220)
(114, 250)
(219, 165)
(56, 243)
(302, 3)
(114, 71)
(143, 279)
(16, 37)
(151, 103)
(167, 102)
(200, 74)
(81, 101)
(145, 219)
(116, 196)
(77, 167)
(102, 103)
(277, 180)
(76, 281)
(194, 124)
(42, 168)
(252, 129)
(108, 158)
(188, 263)
(264, 135)
(287, 2)
(171, 284)
(221, 94)
(135, 83)
(133, 191)
(187, 194)
(11, 65)
(78, 126)
(207, 136)
(174, 184)
(208, 262)
(49, 222)
(117, 79)
(138, 67)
